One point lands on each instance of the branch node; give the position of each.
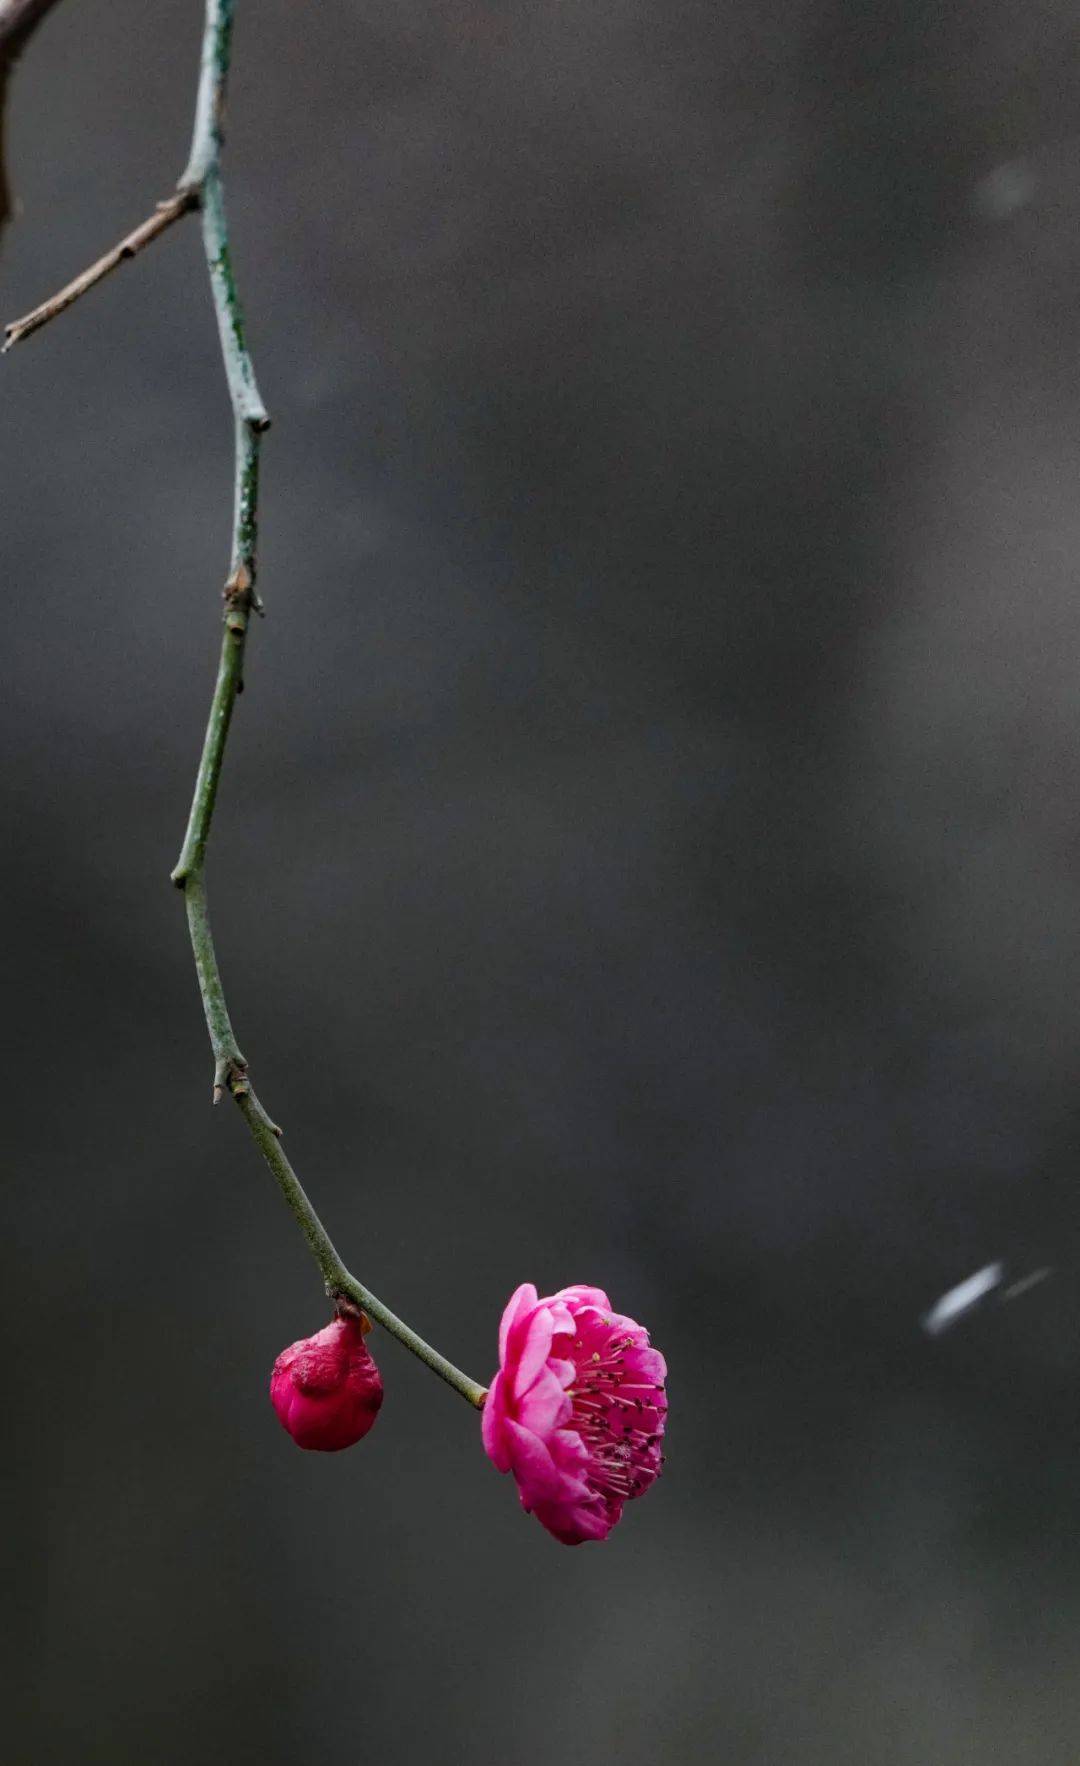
(240, 598)
(230, 1074)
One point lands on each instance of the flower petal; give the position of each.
(529, 1347)
(580, 1295)
(545, 1407)
(565, 1371)
(520, 1300)
(644, 1367)
(577, 1524)
(492, 1426)
(538, 1477)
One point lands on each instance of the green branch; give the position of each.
(251, 420)
(200, 187)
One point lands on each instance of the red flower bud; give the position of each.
(326, 1389)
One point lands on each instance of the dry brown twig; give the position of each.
(132, 243)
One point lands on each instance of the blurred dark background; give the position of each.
(648, 855)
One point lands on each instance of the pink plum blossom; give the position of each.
(326, 1389)
(576, 1410)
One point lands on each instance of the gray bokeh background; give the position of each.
(649, 854)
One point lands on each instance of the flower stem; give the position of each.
(339, 1280)
(202, 182)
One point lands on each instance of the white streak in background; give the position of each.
(1015, 1289)
(962, 1298)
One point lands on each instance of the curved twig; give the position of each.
(200, 188)
(230, 1069)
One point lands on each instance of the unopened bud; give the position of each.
(326, 1389)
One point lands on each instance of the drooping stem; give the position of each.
(200, 187)
(203, 177)
(339, 1281)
